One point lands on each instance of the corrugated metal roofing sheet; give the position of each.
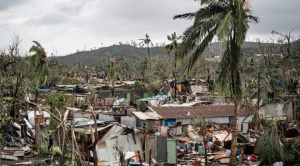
(147, 115)
(87, 123)
(91, 129)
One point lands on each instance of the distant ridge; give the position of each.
(132, 54)
(101, 56)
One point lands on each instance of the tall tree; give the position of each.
(174, 47)
(38, 59)
(38, 63)
(38, 66)
(228, 20)
(11, 79)
(147, 42)
(112, 76)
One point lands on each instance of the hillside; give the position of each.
(133, 54)
(102, 55)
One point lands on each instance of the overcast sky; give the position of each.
(64, 26)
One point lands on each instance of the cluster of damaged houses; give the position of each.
(160, 134)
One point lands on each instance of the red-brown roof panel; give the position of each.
(170, 112)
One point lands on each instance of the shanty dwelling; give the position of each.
(148, 120)
(118, 137)
(161, 149)
(86, 128)
(174, 122)
(181, 116)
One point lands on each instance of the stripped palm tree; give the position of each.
(228, 20)
(147, 42)
(112, 76)
(174, 47)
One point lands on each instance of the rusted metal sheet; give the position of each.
(151, 143)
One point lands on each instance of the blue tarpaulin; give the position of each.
(45, 90)
(157, 97)
(119, 101)
(169, 122)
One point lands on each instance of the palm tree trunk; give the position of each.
(234, 133)
(256, 117)
(149, 58)
(237, 93)
(205, 150)
(96, 140)
(175, 85)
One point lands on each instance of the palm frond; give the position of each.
(241, 23)
(224, 67)
(169, 38)
(37, 43)
(200, 49)
(252, 18)
(225, 27)
(186, 16)
(203, 2)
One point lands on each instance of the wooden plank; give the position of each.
(225, 161)
(7, 157)
(24, 163)
(19, 153)
(12, 148)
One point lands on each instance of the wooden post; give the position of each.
(150, 157)
(242, 153)
(140, 158)
(37, 136)
(23, 132)
(37, 129)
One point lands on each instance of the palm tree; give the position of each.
(174, 47)
(38, 59)
(112, 76)
(38, 63)
(147, 42)
(228, 20)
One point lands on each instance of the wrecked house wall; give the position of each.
(128, 121)
(293, 110)
(82, 115)
(273, 110)
(177, 130)
(149, 124)
(184, 122)
(32, 115)
(151, 143)
(244, 123)
(105, 147)
(164, 130)
(199, 88)
(228, 119)
(105, 117)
